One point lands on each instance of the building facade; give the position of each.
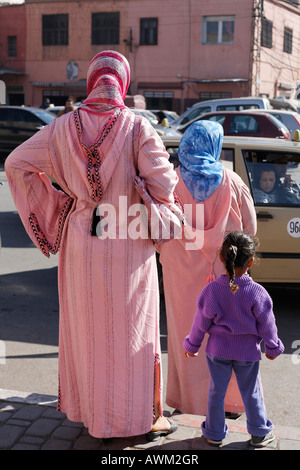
(180, 51)
(13, 51)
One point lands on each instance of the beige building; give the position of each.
(180, 51)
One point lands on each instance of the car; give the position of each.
(225, 104)
(161, 130)
(246, 123)
(56, 109)
(291, 119)
(160, 114)
(18, 123)
(278, 222)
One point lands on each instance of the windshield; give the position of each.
(43, 115)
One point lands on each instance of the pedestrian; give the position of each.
(223, 203)
(69, 107)
(46, 103)
(267, 187)
(109, 341)
(237, 314)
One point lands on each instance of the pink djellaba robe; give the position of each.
(109, 343)
(185, 273)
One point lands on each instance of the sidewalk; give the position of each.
(31, 422)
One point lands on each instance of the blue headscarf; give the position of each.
(199, 151)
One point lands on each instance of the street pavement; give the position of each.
(29, 419)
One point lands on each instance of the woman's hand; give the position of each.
(270, 357)
(190, 355)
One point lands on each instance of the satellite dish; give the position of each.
(72, 70)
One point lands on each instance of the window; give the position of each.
(220, 118)
(213, 95)
(55, 30)
(196, 113)
(218, 30)
(106, 28)
(148, 31)
(236, 107)
(243, 125)
(266, 33)
(274, 177)
(288, 40)
(20, 115)
(12, 46)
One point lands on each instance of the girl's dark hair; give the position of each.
(237, 250)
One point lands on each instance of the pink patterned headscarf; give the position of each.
(108, 80)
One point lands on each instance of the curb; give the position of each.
(30, 421)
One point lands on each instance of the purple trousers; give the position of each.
(248, 380)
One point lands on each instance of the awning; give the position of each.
(215, 80)
(6, 71)
(76, 88)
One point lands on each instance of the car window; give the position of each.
(220, 118)
(227, 158)
(5, 115)
(195, 113)
(243, 124)
(277, 116)
(20, 115)
(42, 115)
(274, 177)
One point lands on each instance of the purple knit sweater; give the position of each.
(236, 323)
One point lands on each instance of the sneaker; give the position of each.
(262, 441)
(214, 443)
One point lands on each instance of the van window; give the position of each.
(274, 177)
(195, 113)
(236, 107)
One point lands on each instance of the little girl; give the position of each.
(237, 313)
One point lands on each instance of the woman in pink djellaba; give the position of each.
(109, 343)
(216, 202)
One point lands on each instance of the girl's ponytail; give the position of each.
(230, 265)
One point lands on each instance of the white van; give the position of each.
(228, 104)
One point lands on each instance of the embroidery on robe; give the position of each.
(93, 154)
(45, 246)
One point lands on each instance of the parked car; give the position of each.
(55, 109)
(161, 130)
(18, 123)
(171, 116)
(291, 119)
(246, 123)
(226, 104)
(278, 222)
